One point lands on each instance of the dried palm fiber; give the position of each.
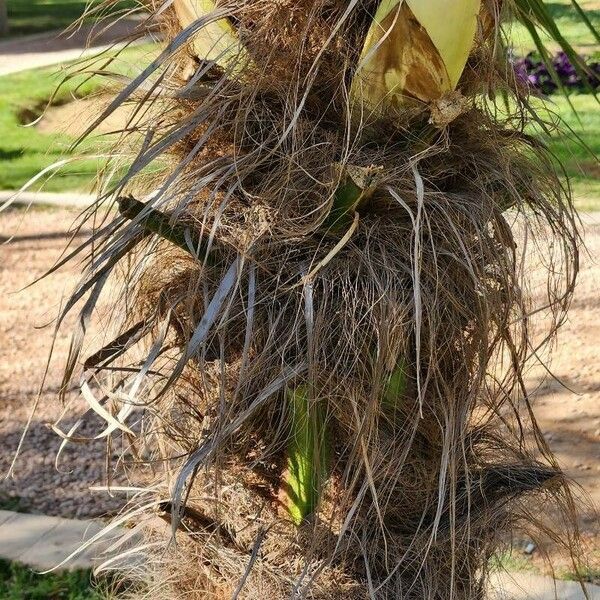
(329, 280)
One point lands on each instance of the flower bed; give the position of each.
(534, 73)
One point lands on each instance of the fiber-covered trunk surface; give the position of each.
(331, 302)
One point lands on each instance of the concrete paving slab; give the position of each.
(19, 532)
(67, 537)
(44, 543)
(63, 199)
(5, 515)
(529, 586)
(55, 47)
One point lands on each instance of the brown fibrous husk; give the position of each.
(432, 275)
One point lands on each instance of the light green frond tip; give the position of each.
(307, 456)
(396, 385)
(357, 184)
(414, 49)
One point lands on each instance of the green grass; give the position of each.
(577, 145)
(588, 574)
(578, 150)
(574, 141)
(35, 16)
(10, 503)
(18, 582)
(569, 24)
(24, 151)
(511, 561)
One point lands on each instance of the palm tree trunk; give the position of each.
(333, 395)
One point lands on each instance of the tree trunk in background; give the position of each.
(3, 17)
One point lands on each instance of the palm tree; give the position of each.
(330, 283)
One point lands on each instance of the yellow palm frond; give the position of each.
(416, 49)
(218, 41)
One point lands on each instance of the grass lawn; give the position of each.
(579, 150)
(24, 151)
(569, 24)
(34, 16)
(18, 582)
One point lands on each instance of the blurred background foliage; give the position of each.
(24, 151)
(36, 16)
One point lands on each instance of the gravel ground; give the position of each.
(568, 407)
(571, 420)
(39, 239)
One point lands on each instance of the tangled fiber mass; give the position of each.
(326, 273)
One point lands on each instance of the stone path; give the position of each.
(62, 199)
(56, 47)
(528, 586)
(44, 542)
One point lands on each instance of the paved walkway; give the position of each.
(64, 199)
(43, 542)
(42, 50)
(528, 586)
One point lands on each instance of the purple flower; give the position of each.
(534, 73)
